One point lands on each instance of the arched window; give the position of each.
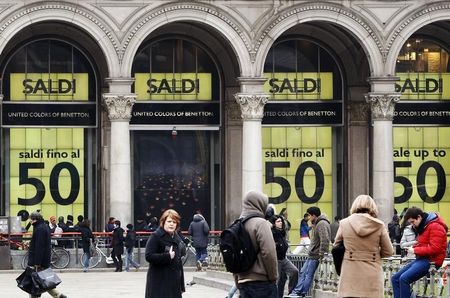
(49, 112)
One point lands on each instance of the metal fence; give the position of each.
(434, 285)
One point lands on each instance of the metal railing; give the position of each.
(434, 285)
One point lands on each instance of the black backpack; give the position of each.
(236, 247)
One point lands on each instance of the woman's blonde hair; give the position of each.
(172, 214)
(364, 204)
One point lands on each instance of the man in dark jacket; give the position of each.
(319, 246)
(260, 280)
(130, 240)
(117, 245)
(199, 230)
(39, 252)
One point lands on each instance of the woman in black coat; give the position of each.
(86, 238)
(165, 277)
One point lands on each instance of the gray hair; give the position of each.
(35, 215)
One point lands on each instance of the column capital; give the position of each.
(382, 104)
(252, 105)
(119, 106)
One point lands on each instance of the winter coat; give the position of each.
(130, 240)
(86, 236)
(165, 277)
(408, 240)
(117, 241)
(199, 230)
(366, 241)
(265, 267)
(39, 251)
(320, 242)
(432, 240)
(281, 244)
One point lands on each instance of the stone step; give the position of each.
(214, 279)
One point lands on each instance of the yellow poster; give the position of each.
(422, 169)
(173, 86)
(49, 87)
(299, 85)
(423, 86)
(46, 166)
(298, 171)
(47, 171)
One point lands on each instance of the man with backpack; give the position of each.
(260, 279)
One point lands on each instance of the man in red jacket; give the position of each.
(431, 246)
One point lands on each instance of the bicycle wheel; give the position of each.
(25, 260)
(60, 258)
(94, 260)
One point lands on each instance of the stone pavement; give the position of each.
(105, 283)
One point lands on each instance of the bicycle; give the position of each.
(60, 258)
(189, 248)
(96, 256)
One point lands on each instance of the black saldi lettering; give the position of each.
(427, 85)
(173, 86)
(60, 86)
(306, 85)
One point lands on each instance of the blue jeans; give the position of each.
(258, 289)
(87, 257)
(306, 277)
(201, 253)
(129, 259)
(410, 273)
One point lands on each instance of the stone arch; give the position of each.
(419, 18)
(325, 12)
(69, 14)
(200, 13)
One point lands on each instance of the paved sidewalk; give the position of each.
(103, 284)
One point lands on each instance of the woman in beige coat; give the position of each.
(366, 241)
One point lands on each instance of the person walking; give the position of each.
(366, 241)
(87, 237)
(117, 245)
(430, 247)
(395, 233)
(318, 248)
(165, 276)
(334, 227)
(199, 231)
(285, 266)
(260, 280)
(39, 251)
(130, 240)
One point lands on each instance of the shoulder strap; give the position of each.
(244, 219)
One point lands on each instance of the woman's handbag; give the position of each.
(338, 252)
(46, 279)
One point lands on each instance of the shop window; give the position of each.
(300, 125)
(422, 127)
(49, 106)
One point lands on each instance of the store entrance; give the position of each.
(173, 169)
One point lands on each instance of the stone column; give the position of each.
(382, 102)
(252, 102)
(119, 108)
